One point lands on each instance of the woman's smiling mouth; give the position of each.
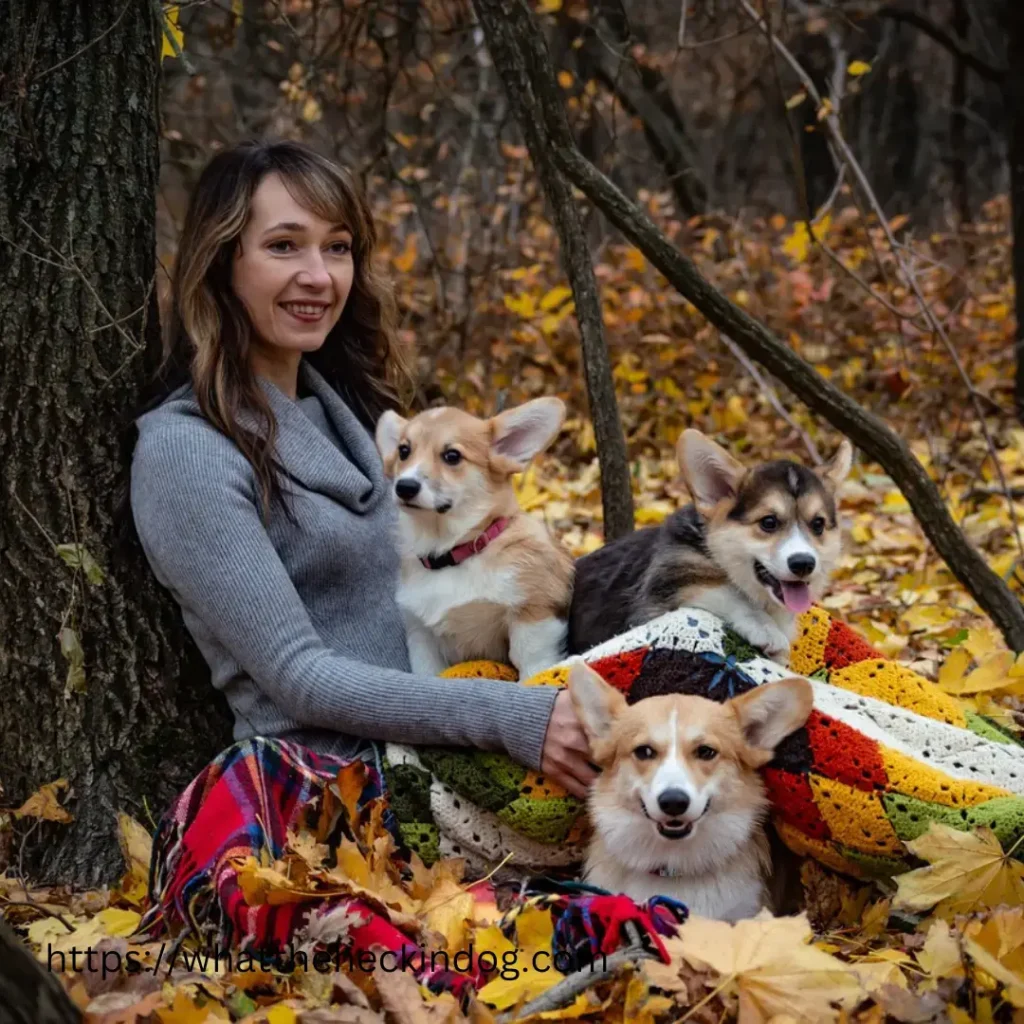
(305, 312)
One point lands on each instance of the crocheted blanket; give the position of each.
(884, 753)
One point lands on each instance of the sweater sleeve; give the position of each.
(196, 515)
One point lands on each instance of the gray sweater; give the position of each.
(298, 621)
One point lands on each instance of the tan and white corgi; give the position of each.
(479, 577)
(679, 807)
(757, 547)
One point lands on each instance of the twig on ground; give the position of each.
(567, 990)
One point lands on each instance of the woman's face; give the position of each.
(292, 271)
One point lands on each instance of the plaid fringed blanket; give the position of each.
(885, 753)
(247, 808)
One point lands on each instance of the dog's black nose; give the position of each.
(407, 489)
(801, 565)
(673, 802)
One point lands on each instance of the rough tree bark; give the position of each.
(616, 489)
(1014, 92)
(519, 50)
(126, 715)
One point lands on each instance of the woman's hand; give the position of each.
(566, 753)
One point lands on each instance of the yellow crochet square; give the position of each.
(807, 652)
(912, 778)
(549, 677)
(806, 846)
(896, 684)
(481, 670)
(538, 788)
(855, 818)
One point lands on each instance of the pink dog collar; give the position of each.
(461, 552)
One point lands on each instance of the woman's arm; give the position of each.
(195, 512)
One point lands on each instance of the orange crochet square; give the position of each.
(621, 669)
(826, 853)
(842, 753)
(914, 778)
(855, 818)
(896, 684)
(807, 652)
(846, 646)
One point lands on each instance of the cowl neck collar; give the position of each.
(356, 480)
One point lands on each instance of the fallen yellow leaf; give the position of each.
(966, 870)
(447, 909)
(771, 966)
(43, 803)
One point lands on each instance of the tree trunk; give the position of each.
(98, 685)
(1015, 123)
(521, 46)
(616, 487)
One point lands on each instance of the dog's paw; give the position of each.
(767, 638)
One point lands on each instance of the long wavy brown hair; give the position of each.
(208, 334)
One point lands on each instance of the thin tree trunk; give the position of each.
(97, 687)
(1015, 121)
(958, 119)
(520, 51)
(616, 490)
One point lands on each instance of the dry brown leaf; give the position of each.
(771, 966)
(43, 803)
(966, 870)
(401, 997)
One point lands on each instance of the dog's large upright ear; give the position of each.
(834, 472)
(521, 433)
(710, 473)
(597, 703)
(389, 433)
(769, 713)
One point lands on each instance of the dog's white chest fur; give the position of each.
(464, 607)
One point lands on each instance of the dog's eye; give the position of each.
(818, 525)
(706, 753)
(404, 451)
(769, 524)
(643, 753)
(451, 456)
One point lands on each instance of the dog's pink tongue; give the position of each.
(796, 596)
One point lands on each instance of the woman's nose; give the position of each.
(314, 273)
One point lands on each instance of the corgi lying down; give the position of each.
(756, 548)
(679, 807)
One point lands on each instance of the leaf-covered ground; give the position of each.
(947, 942)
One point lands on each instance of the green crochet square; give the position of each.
(990, 730)
(423, 839)
(873, 865)
(911, 817)
(491, 781)
(733, 644)
(408, 790)
(546, 821)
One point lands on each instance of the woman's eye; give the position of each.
(706, 753)
(451, 456)
(769, 524)
(818, 525)
(341, 248)
(404, 451)
(644, 753)
(280, 247)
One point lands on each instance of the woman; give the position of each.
(258, 494)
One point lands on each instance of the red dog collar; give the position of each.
(461, 552)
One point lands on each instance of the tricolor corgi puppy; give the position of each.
(679, 807)
(479, 577)
(756, 548)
